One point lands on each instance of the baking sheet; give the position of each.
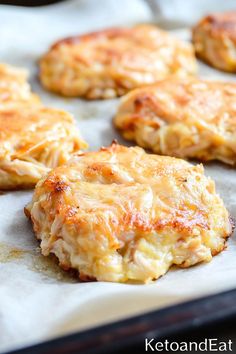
(39, 301)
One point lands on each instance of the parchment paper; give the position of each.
(38, 301)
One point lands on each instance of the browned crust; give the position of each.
(110, 62)
(30, 137)
(106, 33)
(18, 187)
(214, 38)
(201, 108)
(86, 278)
(27, 213)
(219, 24)
(178, 220)
(68, 192)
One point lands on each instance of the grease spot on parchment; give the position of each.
(35, 261)
(8, 253)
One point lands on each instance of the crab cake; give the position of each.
(111, 62)
(121, 214)
(214, 39)
(14, 88)
(182, 118)
(32, 141)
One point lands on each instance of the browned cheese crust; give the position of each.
(111, 62)
(120, 214)
(33, 138)
(187, 118)
(214, 39)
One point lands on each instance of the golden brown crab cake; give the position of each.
(109, 63)
(214, 39)
(14, 88)
(187, 118)
(32, 141)
(121, 214)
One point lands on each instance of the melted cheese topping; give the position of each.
(184, 118)
(109, 63)
(121, 214)
(33, 138)
(14, 88)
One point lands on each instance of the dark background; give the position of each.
(30, 2)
